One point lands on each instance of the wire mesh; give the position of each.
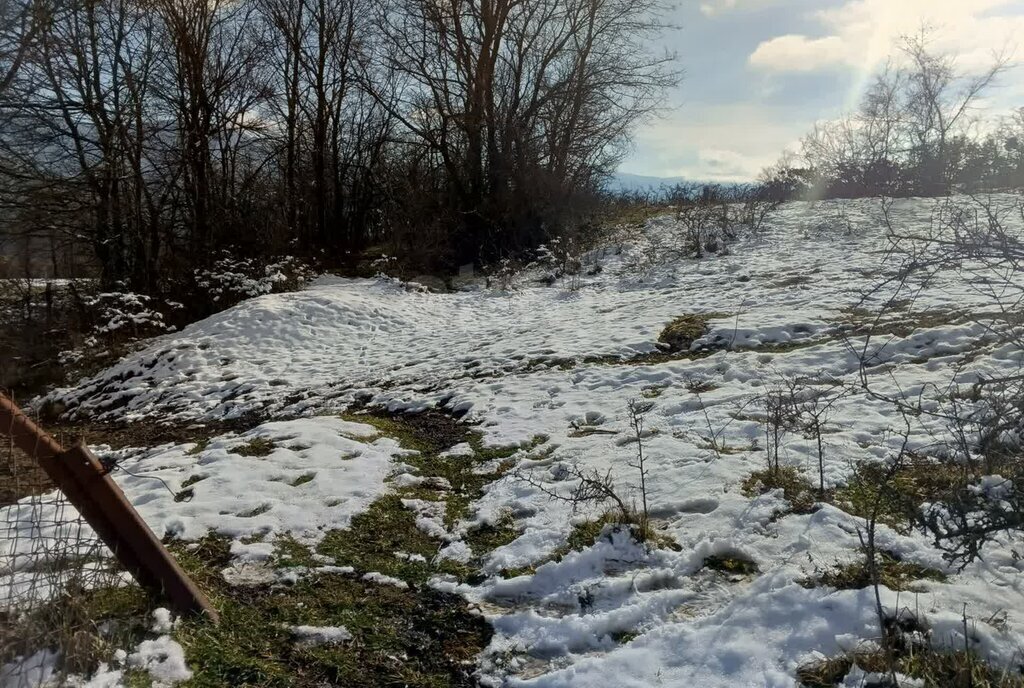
(50, 559)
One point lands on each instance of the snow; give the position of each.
(28, 672)
(162, 621)
(163, 658)
(779, 305)
(381, 579)
(321, 635)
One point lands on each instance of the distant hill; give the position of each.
(623, 181)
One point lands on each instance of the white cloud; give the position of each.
(724, 143)
(796, 53)
(860, 34)
(723, 165)
(712, 8)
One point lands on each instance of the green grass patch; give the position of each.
(400, 637)
(373, 537)
(388, 527)
(585, 533)
(587, 431)
(255, 511)
(652, 391)
(186, 492)
(192, 480)
(288, 552)
(519, 571)
(490, 536)
(698, 386)
(430, 432)
(624, 637)
(411, 636)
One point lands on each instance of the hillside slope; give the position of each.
(725, 594)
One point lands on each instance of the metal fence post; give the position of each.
(91, 490)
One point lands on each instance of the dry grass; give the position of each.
(257, 446)
(679, 334)
(798, 491)
(893, 573)
(917, 481)
(937, 668)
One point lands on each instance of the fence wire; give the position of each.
(50, 562)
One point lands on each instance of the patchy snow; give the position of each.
(163, 622)
(321, 635)
(39, 669)
(381, 579)
(163, 658)
(536, 360)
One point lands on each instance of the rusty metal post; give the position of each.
(80, 475)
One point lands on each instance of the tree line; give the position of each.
(917, 131)
(152, 135)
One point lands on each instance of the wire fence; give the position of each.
(50, 558)
(68, 535)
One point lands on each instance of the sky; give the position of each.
(760, 73)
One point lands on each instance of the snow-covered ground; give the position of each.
(779, 305)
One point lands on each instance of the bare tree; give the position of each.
(912, 132)
(20, 25)
(79, 135)
(939, 103)
(519, 103)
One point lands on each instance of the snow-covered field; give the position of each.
(779, 305)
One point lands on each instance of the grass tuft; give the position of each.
(257, 446)
(918, 481)
(679, 334)
(893, 573)
(936, 668)
(731, 564)
(798, 491)
(303, 479)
